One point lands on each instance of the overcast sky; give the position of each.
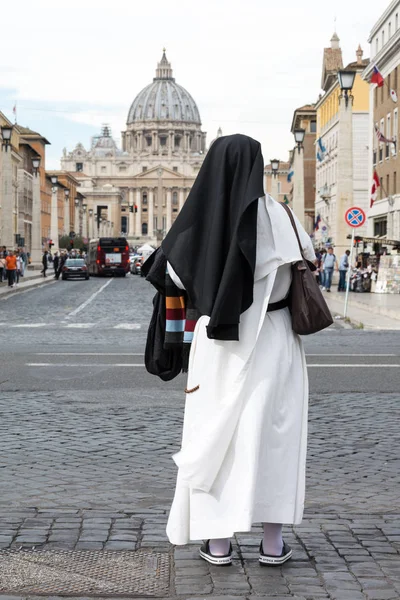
(74, 65)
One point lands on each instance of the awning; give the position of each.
(376, 240)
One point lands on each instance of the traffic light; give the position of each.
(135, 208)
(51, 244)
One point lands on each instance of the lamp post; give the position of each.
(274, 181)
(7, 208)
(67, 227)
(36, 246)
(76, 218)
(344, 184)
(298, 177)
(91, 223)
(54, 213)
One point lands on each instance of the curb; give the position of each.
(16, 292)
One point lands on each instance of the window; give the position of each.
(144, 198)
(383, 38)
(387, 185)
(177, 142)
(79, 167)
(382, 88)
(313, 126)
(388, 85)
(164, 223)
(155, 223)
(380, 226)
(395, 182)
(148, 140)
(390, 30)
(144, 228)
(376, 97)
(374, 156)
(376, 46)
(175, 198)
(397, 21)
(381, 187)
(122, 169)
(388, 134)
(144, 169)
(395, 79)
(163, 141)
(395, 128)
(103, 169)
(124, 224)
(175, 169)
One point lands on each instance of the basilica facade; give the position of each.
(139, 189)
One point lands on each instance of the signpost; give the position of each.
(354, 217)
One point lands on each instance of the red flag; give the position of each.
(377, 78)
(374, 190)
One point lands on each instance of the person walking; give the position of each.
(19, 270)
(45, 263)
(61, 263)
(11, 266)
(343, 267)
(56, 262)
(329, 263)
(2, 268)
(242, 459)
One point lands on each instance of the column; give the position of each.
(90, 223)
(131, 204)
(344, 189)
(67, 225)
(169, 209)
(54, 219)
(150, 223)
(298, 184)
(138, 219)
(76, 223)
(84, 224)
(181, 198)
(36, 250)
(7, 204)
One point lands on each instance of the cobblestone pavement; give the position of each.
(94, 475)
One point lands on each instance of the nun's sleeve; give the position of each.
(175, 277)
(306, 242)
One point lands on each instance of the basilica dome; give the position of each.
(164, 100)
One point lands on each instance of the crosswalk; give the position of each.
(67, 325)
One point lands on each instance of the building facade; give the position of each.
(341, 149)
(279, 187)
(305, 118)
(141, 187)
(384, 157)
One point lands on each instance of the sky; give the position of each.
(72, 66)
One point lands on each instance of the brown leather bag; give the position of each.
(307, 305)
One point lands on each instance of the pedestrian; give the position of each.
(11, 266)
(56, 262)
(343, 267)
(63, 258)
(329, 263)
(19, 269)
(243, 452)
(45, 263)
(2, 268)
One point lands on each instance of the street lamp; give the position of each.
(76, 201)
(90, 212)
(346, 82)
(6, 135)
(54, 181)
(66, 192)
(84, 206)
(299, 135)
(275, 166)
(36, 164)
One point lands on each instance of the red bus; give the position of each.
(108, 256)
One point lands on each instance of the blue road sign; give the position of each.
(355, 217)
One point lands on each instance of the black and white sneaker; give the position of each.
(215, 560)
(274, 561)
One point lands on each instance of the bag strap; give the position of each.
(293, 222)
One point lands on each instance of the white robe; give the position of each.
(244, 442)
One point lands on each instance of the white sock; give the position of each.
(220, 547)
(272, 541)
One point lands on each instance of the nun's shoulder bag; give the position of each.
(307, 305)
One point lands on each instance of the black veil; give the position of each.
(212, 244)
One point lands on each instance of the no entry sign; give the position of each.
(355, 217)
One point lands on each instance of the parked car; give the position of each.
(75, 268)
(136, 265)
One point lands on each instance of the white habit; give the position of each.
(244, 442)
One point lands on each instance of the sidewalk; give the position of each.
(373, 311)
(30, 280)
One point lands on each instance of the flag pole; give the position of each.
(346, 300)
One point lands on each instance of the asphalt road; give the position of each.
(89, 337)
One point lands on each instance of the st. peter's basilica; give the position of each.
(140, 188)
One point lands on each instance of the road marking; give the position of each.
(80, 325)
(89, 354)
(29, 325)
(127, 326)
(109, 365)
(75, 365)
(89, 300)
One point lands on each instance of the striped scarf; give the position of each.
(181, 319)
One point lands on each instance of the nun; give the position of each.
(243, 453)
